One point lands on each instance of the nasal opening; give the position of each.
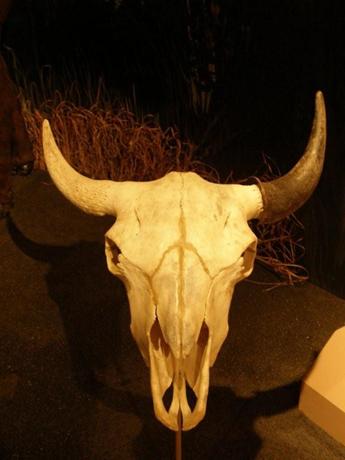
(191, 397)
(168, 397)
(157, 338)
(179, 385)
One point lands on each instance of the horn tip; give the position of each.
(319, 97)
(46, 128)
(46, 125)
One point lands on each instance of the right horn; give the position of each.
(98, 197)
(283, 196)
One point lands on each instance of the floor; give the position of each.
(74, 386)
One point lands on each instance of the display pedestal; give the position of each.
(322, 396)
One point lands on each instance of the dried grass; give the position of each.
(107, 143)
(280, 248)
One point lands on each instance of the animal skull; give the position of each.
(180, 244)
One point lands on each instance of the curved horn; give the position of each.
(90, 195)
(286, 194)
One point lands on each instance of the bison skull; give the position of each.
(180, 244)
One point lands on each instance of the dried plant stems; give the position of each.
(104, 143)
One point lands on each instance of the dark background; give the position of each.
(270, 59)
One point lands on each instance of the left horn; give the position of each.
(286, 194)
(91, 196)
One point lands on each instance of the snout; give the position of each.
(179, 384)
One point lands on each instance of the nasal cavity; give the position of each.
(203, 335)
(168, 397)
(169, 394)
(191, 397)
(157, 339)
(114, 250)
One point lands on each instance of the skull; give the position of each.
(180, 244)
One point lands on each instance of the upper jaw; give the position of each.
(168, 371)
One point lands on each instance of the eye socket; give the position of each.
(248, 256)
(113, 250)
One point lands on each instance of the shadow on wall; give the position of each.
(89, 298)
(228, 430)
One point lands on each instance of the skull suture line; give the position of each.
(180, 244)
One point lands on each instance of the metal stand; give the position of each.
(178, 444)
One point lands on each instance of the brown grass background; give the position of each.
(105, 140)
